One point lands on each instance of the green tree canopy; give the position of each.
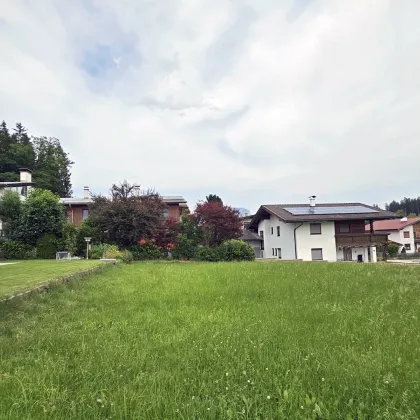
(44, 156)
(10, 212)
(42, 213)
(213, 198)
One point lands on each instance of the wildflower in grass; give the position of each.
(268, 397)
(323, 379)
(227, 373)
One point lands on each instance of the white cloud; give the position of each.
(260, 101)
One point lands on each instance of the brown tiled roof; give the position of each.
(280, 211)
(394, 224)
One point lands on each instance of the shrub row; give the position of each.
(232, 250)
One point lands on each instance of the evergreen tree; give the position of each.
(52, 166)
(44, 156)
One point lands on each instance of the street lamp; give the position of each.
(87, 247)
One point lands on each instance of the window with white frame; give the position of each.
(315, 228)
(278, 230)
(85, 214)
(407, 247)
(272, 230)
(406, 234)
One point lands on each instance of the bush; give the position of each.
(146, 251)
(206, 253)
(98, 250)
(111, 252)
(235, 250)
(15, 250)
(46, 247)
(87, 229)
(185, 248)
(125, 256)
(68, 241)
(393, 250)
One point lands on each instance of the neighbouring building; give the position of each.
(77, 208)
(319, 232)
(404, 232)
(22, 187)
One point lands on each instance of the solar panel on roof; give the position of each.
(305, 211)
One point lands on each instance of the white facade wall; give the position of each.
(285, 241)
(325, 241)
(398, 236)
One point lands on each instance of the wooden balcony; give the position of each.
(361, 239)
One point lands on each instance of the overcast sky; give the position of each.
(258, 101)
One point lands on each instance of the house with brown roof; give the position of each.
(405, 232)
(319, 232)
(77, 208)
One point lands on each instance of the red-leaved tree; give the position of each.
(217, 222)
(166, 234)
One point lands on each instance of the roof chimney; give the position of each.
(404, 219)
(25, 175)
(137, 190)
(312, 200)
(86, 192)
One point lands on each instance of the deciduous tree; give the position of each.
(42, 214)
(10, 211)
(217, 222)
(128, 215)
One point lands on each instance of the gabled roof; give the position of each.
(292, 213)
(395, 224)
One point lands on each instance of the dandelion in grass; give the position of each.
(268, 397)
(323, 379)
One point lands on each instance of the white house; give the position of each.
(405, 232)
(319, 232)
(21, 187)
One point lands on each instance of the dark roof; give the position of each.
(247, 235)
(280, 211)
(11, 184)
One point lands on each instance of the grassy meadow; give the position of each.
(217, 341)
(26, 274)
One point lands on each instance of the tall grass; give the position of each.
(216, 341)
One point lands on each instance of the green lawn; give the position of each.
(217, 341)
(26, 274)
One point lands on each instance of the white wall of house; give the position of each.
(398, 236)
(285, 241)
(326, 241)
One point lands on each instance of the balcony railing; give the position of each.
(361, 239)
